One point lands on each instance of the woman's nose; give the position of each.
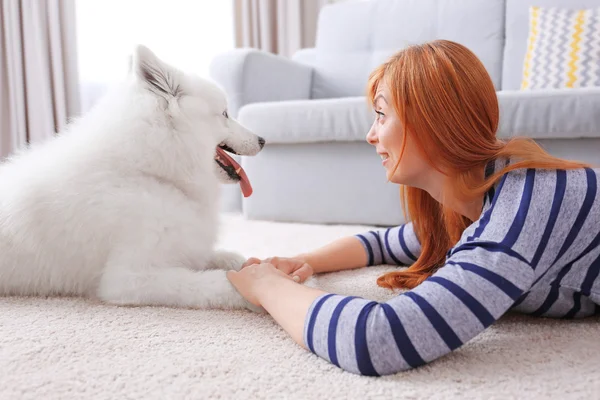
(372, 136)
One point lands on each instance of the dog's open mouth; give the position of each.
(232, 168)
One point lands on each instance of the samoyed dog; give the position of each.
(123, 205)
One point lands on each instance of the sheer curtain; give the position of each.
(185, 33)
(38, 72)
(277, 26)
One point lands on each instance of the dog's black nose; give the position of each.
(261, 142)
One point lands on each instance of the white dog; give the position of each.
(123, 205)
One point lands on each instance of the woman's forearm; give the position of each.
(342, 254)
(288, 303)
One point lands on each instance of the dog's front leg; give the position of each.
(226, 260)
(153, 284)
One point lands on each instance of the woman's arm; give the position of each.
(342, 254)
(393, 246)
(369, 338)
(287, 301)
(464, 297)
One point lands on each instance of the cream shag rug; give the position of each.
(75, 349)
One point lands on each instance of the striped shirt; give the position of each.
(535, 249)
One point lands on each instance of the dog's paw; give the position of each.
(226, 260)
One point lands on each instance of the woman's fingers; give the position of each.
(251, 261)
(286, 265)
(302, 273)
(296, 268)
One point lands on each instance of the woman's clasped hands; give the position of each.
(256, 276)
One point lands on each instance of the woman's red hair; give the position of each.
(447, 103)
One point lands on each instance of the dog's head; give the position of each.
(200, 102)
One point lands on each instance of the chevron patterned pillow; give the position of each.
(563, 49)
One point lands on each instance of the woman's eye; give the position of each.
(380, 114)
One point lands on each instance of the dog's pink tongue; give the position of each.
(244, 181)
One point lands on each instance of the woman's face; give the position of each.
(386, 135)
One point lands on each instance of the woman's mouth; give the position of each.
(384, 158)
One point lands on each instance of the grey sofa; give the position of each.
(317, 166)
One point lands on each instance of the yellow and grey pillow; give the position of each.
(563, 49)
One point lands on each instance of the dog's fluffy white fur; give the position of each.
(123, 205)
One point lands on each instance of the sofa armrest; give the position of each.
(252, 76)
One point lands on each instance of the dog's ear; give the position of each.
(152, 71)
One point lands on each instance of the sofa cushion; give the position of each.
(564, 49)
(355, 37)
(541, 114)
(517, 31)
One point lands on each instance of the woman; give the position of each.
(495, 226)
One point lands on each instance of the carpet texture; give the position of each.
(63, 348)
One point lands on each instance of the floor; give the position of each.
(65, 348)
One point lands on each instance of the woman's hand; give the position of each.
(255, 279)
(264, 285)
(299, 269)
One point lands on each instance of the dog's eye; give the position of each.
(225, 114)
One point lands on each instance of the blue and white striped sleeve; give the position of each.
(393, 246)
(476, 286)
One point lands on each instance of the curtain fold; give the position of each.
(39, 89)
(277, 26)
